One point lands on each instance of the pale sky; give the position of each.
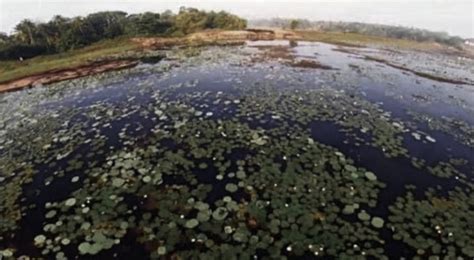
(453, 16)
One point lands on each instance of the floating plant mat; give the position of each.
(211, 155)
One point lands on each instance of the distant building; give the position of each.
(469, 42)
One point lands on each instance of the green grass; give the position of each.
(11, 70)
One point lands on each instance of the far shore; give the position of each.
(126, 53)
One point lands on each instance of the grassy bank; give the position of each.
(11, 70)
(353, 39)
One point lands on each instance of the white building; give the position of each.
(469, 42)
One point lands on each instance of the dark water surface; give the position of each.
(123, 112)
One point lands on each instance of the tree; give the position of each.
(48, 36)
(294, 24)
(4, 38)
(167, 16)
(224, 20)
(146, 24)
(77, 34)
(106, 24)
(62, 34)
(26, 32)
(190, 20)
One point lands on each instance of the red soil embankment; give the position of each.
(65, 74)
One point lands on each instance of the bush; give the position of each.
(14, 52)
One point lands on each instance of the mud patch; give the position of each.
(269, 52)
(418, 73)
(311, 64)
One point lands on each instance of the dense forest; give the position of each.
(62, 34)
(398, 32)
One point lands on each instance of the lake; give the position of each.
(274, 149)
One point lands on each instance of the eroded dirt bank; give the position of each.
(217, 37)
(65, 74)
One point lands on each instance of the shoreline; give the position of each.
(110, 63)
(114, 61)
(53, 76)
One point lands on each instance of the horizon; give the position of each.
(441, 16)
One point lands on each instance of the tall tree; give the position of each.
(4, 38)
(61, 34)
(106, 24)
(26, 32)
(79, 33)
(190, 20)
(146, 24)
(294, 24)
(224, 20)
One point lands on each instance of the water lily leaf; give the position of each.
(363, 216)
(70, 202)
(220, 213)
(371, 176)
(192, 223)
(231, 187)
(377, 222)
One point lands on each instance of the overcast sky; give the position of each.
(453, 16)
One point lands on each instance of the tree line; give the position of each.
(398, 32)
(62, 34)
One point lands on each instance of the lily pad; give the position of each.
(350, 168)
(146, 179)
(363, 216)
(348, 209)
(192, 223)
(161, 250)
(84, 248)
(65, 241)
(70, 202)
(117, 182)
(377, 222)
(231, 187)
(371, 176)
(51, 214)
(220, 213)
(39, 240)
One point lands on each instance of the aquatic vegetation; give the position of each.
(377, 222)
(235, 165)
(436, 225)
(309, 64)
(461, 130)
(231, 187)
